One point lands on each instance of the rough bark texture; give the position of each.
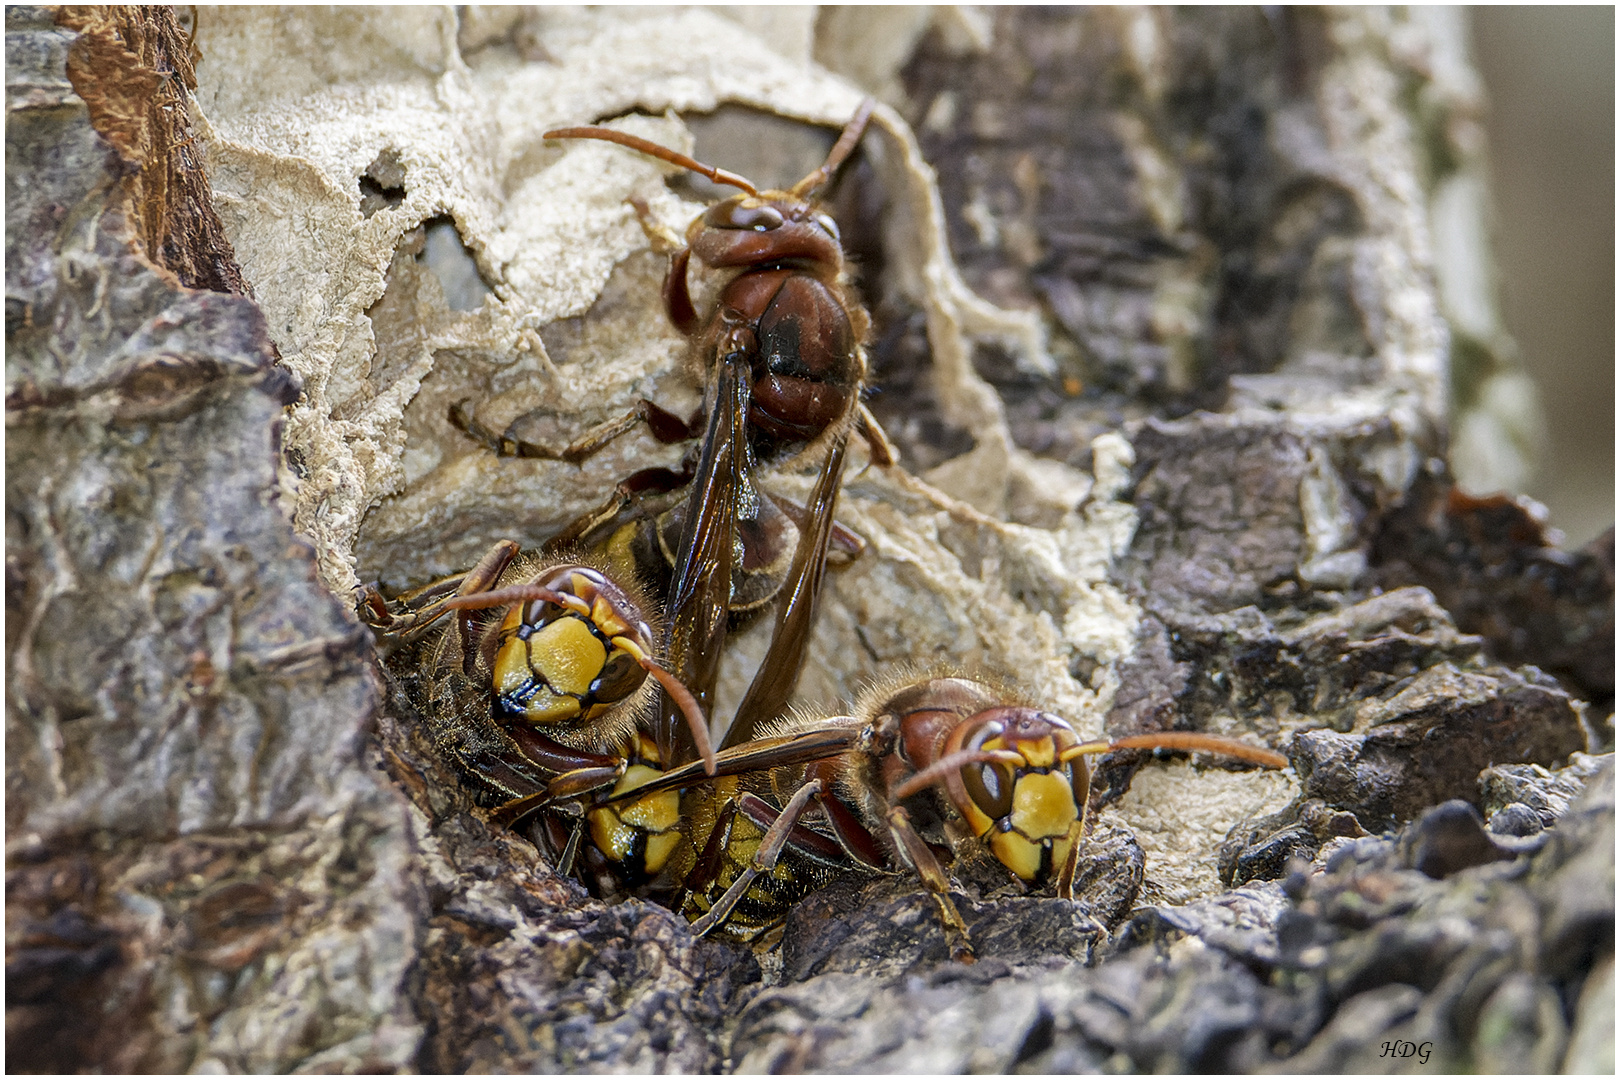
(200, 859)
(1161, 316)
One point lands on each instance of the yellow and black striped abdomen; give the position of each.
(727, 826)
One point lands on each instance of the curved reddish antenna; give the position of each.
(950, 763)
(652, 149)
(1182, 740)
(835, 157)
(514, 594)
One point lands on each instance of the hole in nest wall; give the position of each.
(382, 185)
(454, 266)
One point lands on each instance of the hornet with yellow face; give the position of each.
(956, 749)
(539, 689)
(926, 763)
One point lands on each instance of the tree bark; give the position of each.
(1163, 305)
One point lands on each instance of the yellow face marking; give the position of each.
(567, 655)
(1017, 854)
(1043, 805)
(1038, 753)
(548, 708)
(606, 619)
(512, 672)
(622, 644)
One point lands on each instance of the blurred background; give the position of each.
(1549, 74)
